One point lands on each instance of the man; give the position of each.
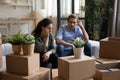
(67, 33)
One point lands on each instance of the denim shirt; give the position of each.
(64, 33)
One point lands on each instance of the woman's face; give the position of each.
(47, 30)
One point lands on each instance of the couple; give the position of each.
(44, 41)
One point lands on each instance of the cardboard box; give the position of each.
(106, 60)
(0, 56)
(0, 39)
(70, 68)
(57, 78)
(110, 48)
(0, 51)
(0, 75)
(10, 76)
(89, 79)
(43, 74)
(24, 65)
(55, 75)
(108, 71)
(114, 38)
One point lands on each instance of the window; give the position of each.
(67, 7)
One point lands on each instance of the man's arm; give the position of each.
(85, 34)
(62, 42)
(59, 37)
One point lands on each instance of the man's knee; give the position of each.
(88, 49)
(60, 50)
(87, 45)
(60, 46)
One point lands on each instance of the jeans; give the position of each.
(62, 52)
(88, 49)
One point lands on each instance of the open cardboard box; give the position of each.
(108, 71)
(110, 48)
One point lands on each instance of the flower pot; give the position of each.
(78, 52)
(16, 49)
(28, 49)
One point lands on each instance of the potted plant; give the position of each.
(15, 40)
(28, 41)
(79, 46)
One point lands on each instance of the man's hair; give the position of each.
(72, 16)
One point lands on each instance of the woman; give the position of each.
(44, 43)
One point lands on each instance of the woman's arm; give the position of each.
(47, 55)
(52, 48)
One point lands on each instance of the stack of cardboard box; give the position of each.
(70, 68)
(108, 66)
(109, 70)
(21, 67)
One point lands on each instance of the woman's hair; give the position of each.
(42, 23)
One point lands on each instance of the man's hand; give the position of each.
(85, 35)
(80, 24)
(73, 45)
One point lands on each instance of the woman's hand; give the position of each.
(46, 56)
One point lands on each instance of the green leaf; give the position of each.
(79, 42)
(27, 39)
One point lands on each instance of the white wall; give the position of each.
(44, 8)
(9, 11)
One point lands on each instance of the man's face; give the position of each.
(72, 22)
